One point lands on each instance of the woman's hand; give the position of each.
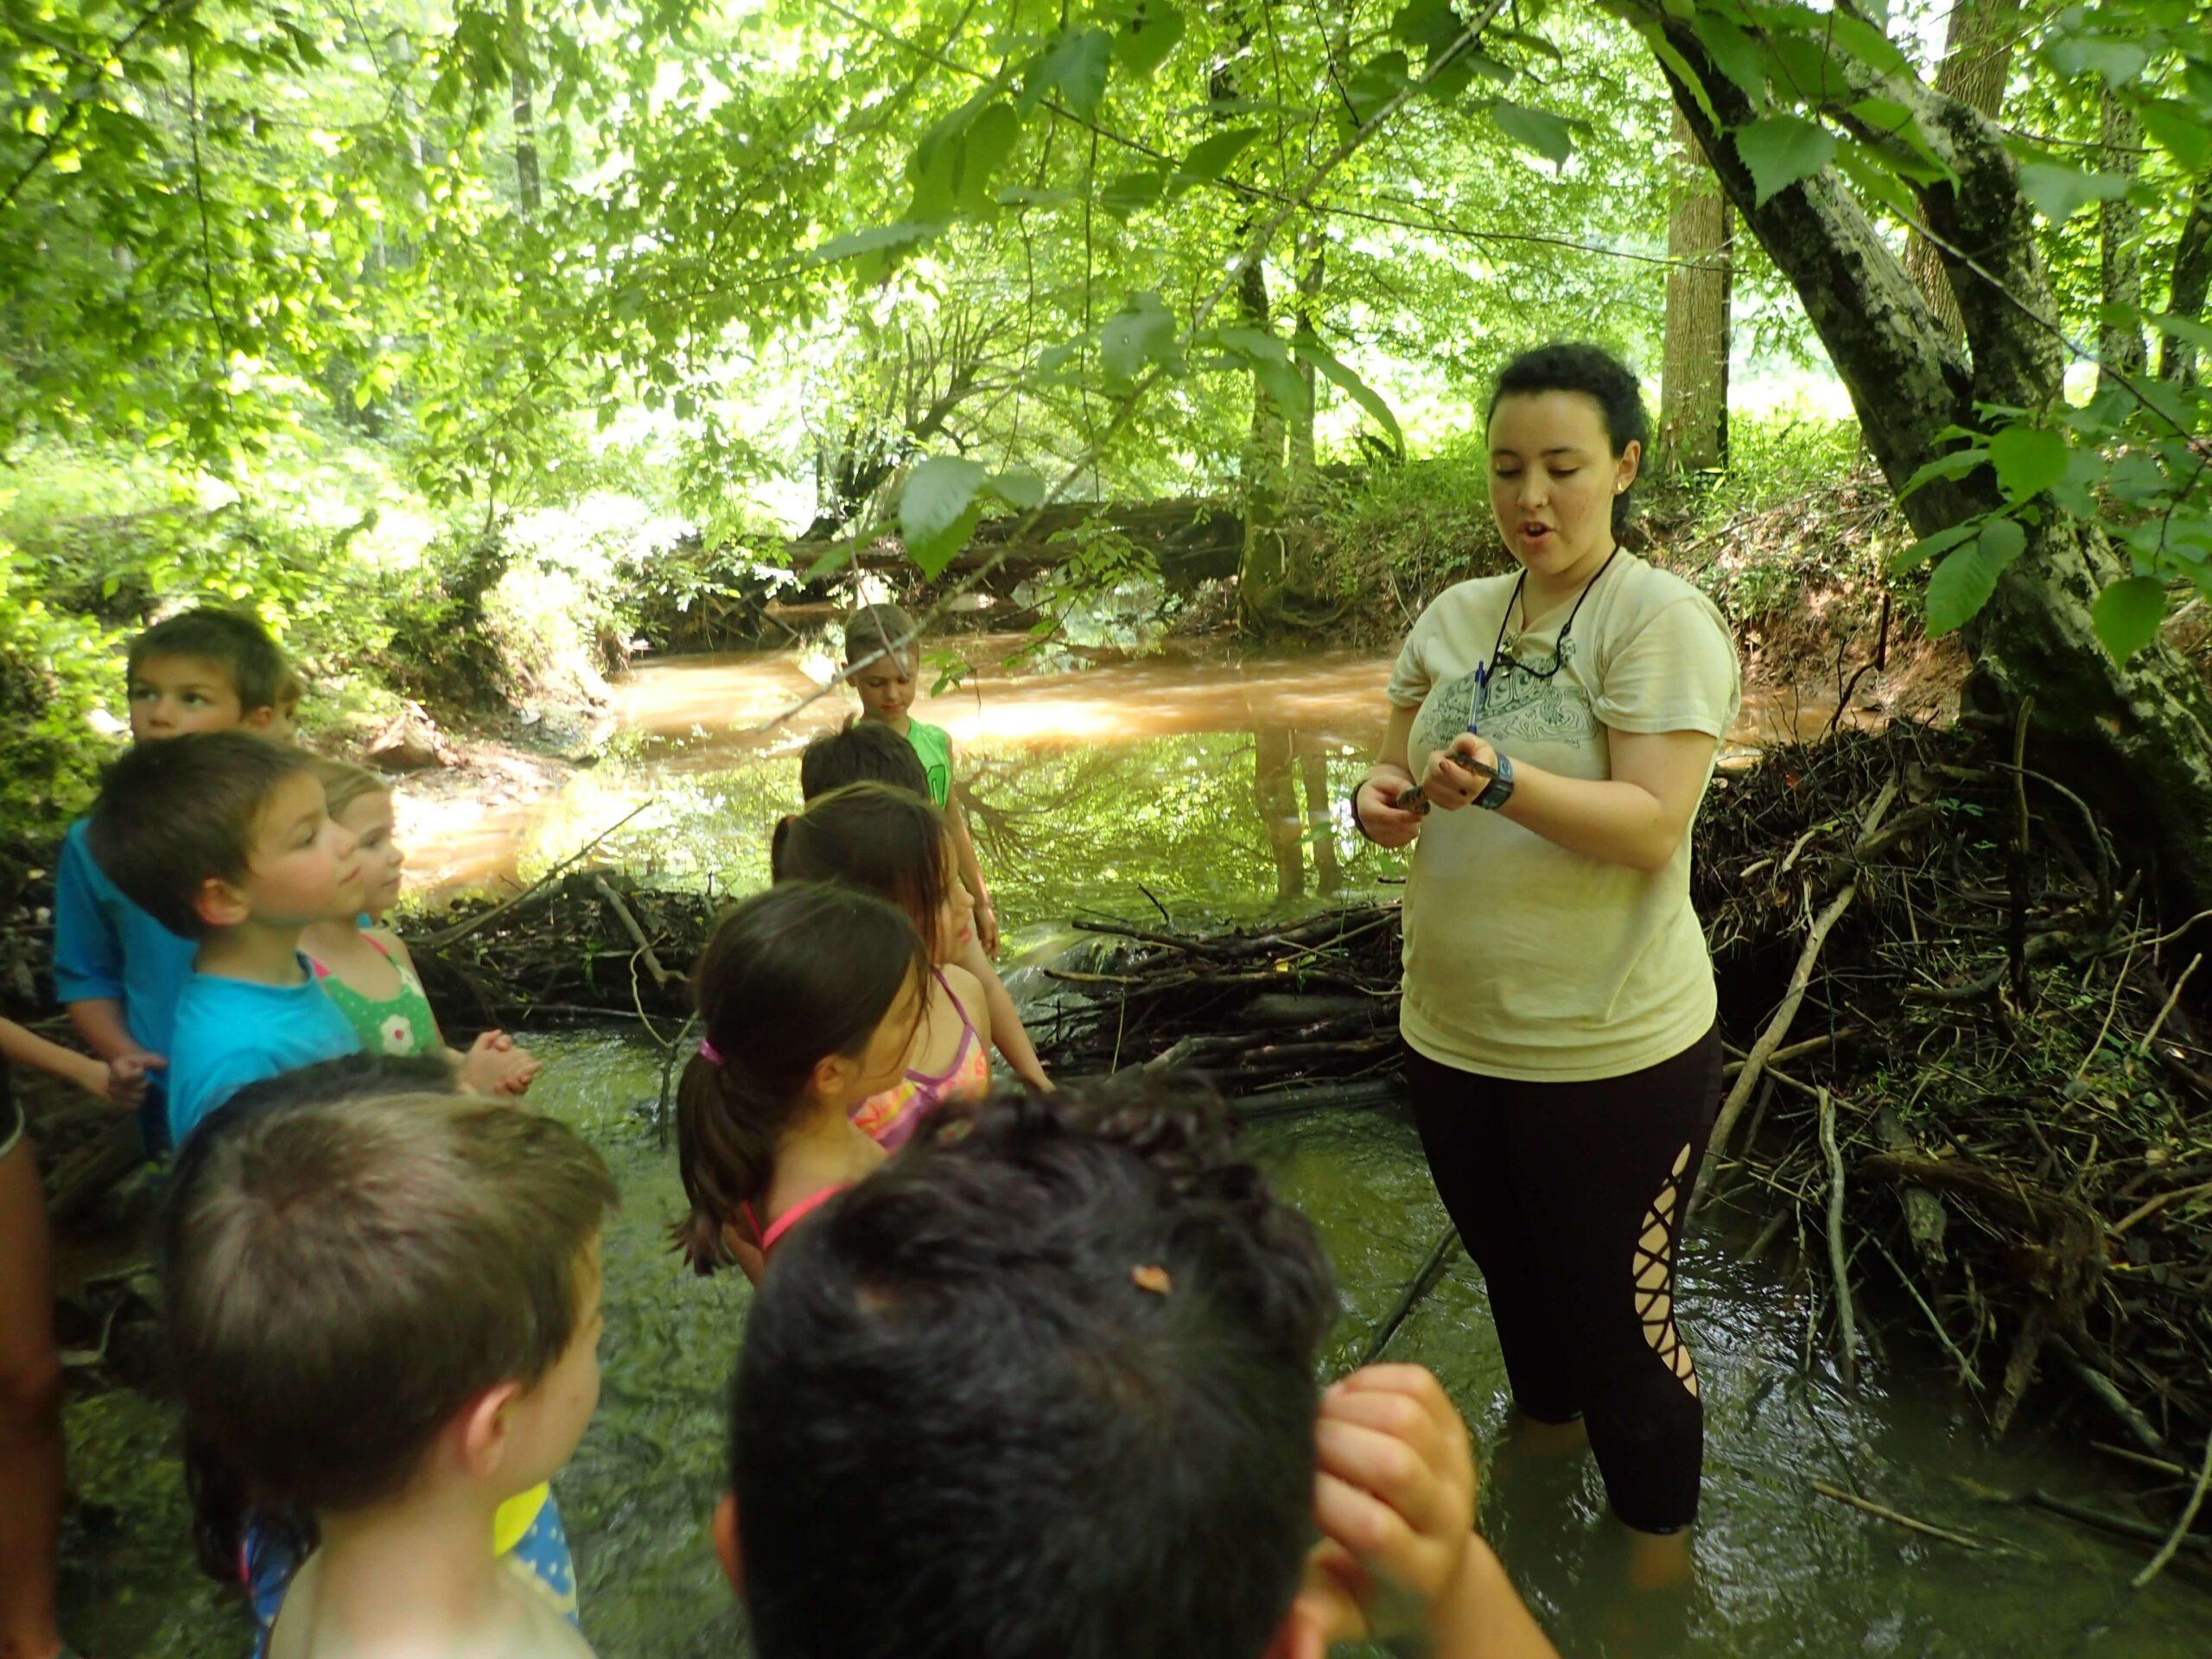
(1447, 783)
(1386, 824)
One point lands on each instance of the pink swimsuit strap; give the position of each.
(932, 1081)
(797, 1212)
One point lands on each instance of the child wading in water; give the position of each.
(809, 994)
(881, 640)
(365, 970)
(896, 845)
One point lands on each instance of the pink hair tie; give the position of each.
(710, 1054)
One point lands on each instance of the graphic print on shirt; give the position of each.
(1522, 706)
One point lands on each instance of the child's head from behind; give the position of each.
(880, 651)
(360, 803)
(890, 841)
(1050, 1375)
(211, 829)
(809, 994)
(367, 1293)
(208, 669)
(863, 752)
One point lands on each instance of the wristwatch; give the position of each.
(1500, 788)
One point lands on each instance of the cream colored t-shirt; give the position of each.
(1522, 959)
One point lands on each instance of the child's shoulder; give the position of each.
(964, 984)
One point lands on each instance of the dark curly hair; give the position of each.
(1577, 366)
(1049, 1374)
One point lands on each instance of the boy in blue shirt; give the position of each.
(223, 838)
(116, 968)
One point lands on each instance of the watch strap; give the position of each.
(1500, 788)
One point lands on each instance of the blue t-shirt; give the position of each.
(105, 946)
(233, 1031)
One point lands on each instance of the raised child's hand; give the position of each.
(1399, 1559)
(497, 1064)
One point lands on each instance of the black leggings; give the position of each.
(1569, 1197)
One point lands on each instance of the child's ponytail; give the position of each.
(791, 976)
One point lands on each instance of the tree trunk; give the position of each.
(2138, 737)
(1977, 58)
(1694, 376)
(2119, 249)
(1277, 799)
(2185, 294)
(523, 90)
(1312, 253)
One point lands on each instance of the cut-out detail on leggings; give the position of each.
(1653, 1266)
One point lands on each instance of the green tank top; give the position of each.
(934, 745)
(399, 1024)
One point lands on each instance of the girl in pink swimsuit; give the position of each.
(894, 844)
(809, 995)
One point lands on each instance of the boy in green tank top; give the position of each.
(886, 685)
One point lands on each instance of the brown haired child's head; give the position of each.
(880, 651)
(361, 801)
(208, 669)
(364, 1292)
(889, 841)
(214, 829)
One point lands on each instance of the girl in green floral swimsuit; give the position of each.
(366, 971)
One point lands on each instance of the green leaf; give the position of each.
(1153, 31)
(2117, 61)
(1928, 547)
(2180, 128)
(1957, 464)
(1429, 23)
(1876, 181)
(1375, 83)
(2186, 329)
(1270, 359)
(1537, 130)
(872, 240)
(2028, 459)
(1780, 150)
(1019, 487)
(1961, 585)
(1735, 54)
(1074, 70)
(2059, 192)
(1140, 333)
(937, 510)
(1663, 49)
(991, 139)
(1309, 349)
(1210, 158)
(2128, 614)
(1132, 191)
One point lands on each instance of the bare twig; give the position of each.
(1882, 1512)
(2157, 1025)
(1837, 1264)
(2168, 1550)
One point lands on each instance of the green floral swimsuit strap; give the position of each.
(399, 1024)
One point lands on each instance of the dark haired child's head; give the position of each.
(1566, 436)
(1050, 1375)
(880, 651)
(365, 1292)
(361, 802)
(208, 671)
(889, 841)
(210, 830)
(809, 994)
(862, 751)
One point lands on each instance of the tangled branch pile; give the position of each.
(1964, 1059)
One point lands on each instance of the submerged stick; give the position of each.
(1882, 1512)
(1801, 977)
(1422, 1284)
(2168, 1550)
(1840, 1267)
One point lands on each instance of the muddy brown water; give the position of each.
(1213, 789)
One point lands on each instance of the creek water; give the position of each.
(1213, 789)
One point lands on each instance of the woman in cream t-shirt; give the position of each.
(1563, 1062)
